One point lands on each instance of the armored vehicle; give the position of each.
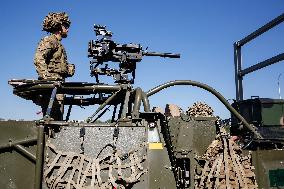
(141, 146)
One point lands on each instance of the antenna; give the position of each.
(278, 82)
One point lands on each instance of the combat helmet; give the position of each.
(53, 21)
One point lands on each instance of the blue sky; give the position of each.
(202, 31)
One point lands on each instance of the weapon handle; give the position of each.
(169, 55)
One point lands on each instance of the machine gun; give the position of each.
(104, 49)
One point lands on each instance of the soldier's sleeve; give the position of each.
(42, 56)
(70, 68)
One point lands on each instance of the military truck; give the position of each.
(141, 148)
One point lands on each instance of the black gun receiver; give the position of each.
(104, 49)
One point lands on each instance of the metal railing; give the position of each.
(239, 72)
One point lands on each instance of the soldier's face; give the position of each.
(64, 31)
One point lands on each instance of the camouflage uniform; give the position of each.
(51, 60)
(51, 63)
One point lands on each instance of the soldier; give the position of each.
(50, 59)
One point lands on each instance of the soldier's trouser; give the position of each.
(57, 110)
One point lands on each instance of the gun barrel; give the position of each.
(169, 55)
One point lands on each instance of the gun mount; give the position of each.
(104, 49)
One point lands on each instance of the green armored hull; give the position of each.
(144, 164)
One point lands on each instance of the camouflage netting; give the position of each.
(225, 167)
(172, 110)
(158, 110)
(77, 171)
(200, 109)
(53, 21)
